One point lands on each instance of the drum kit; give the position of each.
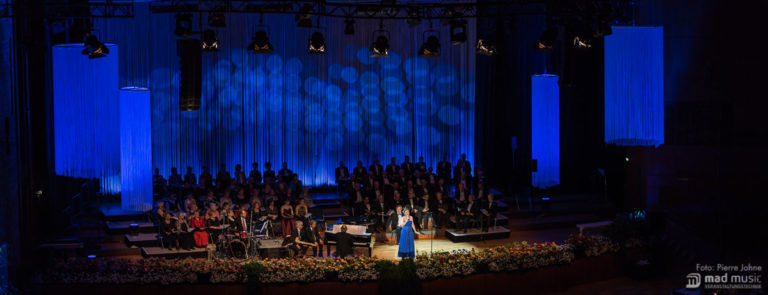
(242, 244)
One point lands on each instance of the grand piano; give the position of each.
(362, 238)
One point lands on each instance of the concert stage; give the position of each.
(475, 234)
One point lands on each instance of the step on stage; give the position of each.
(476, 234)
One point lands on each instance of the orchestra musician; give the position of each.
(300, 240)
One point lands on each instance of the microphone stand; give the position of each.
(249, 235)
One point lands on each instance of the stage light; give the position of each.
(430, 48)
(183, 25)
(579, 42)
(260, 43)
(546, 41)
(210, 42)
(380, 47)
(582, 38)
(317, 43)
(458, 32)
(485, 47)
(349, 27)
(216, 20)
(303, 18)
(93, 47)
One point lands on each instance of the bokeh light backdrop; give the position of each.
(308, 110)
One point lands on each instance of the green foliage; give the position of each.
(253, 271)
(398, 278)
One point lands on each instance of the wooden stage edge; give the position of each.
(538, 281)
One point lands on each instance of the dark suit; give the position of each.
(269, 176)
(444, 170)
(341, 172)
(359, 172)
(466, 219)
(486, 221)
(392, 169)
(393, 220)
(344, 243)
(256, 176)
(408, 167)
(300, 236)
(440, 218)
(376, 170)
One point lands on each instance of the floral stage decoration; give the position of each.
(507, 258)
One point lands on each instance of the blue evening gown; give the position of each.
(406, 248)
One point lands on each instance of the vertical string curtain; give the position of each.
(308, 110)
(634, 86)
(545, 129)
(135, 148)
(86, 117)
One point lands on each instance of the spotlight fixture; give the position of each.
(317, 43)
(216, 20)
(582, 38)
(183, 25)
(303, 18)
(546, 41)
(349, 27)
(210, 42)
(458, 31)
(93, 47)
(380, 46)
(430, 48)
(485, 47)
(260, 43)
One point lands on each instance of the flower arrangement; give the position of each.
(516, 256)
(592, 245)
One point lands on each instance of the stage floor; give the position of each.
(389, 250)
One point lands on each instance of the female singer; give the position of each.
(213, 223)
(406, 248)
(198, 225)
(287, 214)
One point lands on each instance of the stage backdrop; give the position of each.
(308, 110)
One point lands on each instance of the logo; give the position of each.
(694, 280)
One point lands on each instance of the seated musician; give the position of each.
(441, 209)
(213, 223)
(364, 208)
(467, 213)
(241, 223)
(301, 240)
(381, 209)
(488, 213)
(317, 233)
(198, 226)
(425, 211)
(344, 243)
(168, 232)
(185, 238)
